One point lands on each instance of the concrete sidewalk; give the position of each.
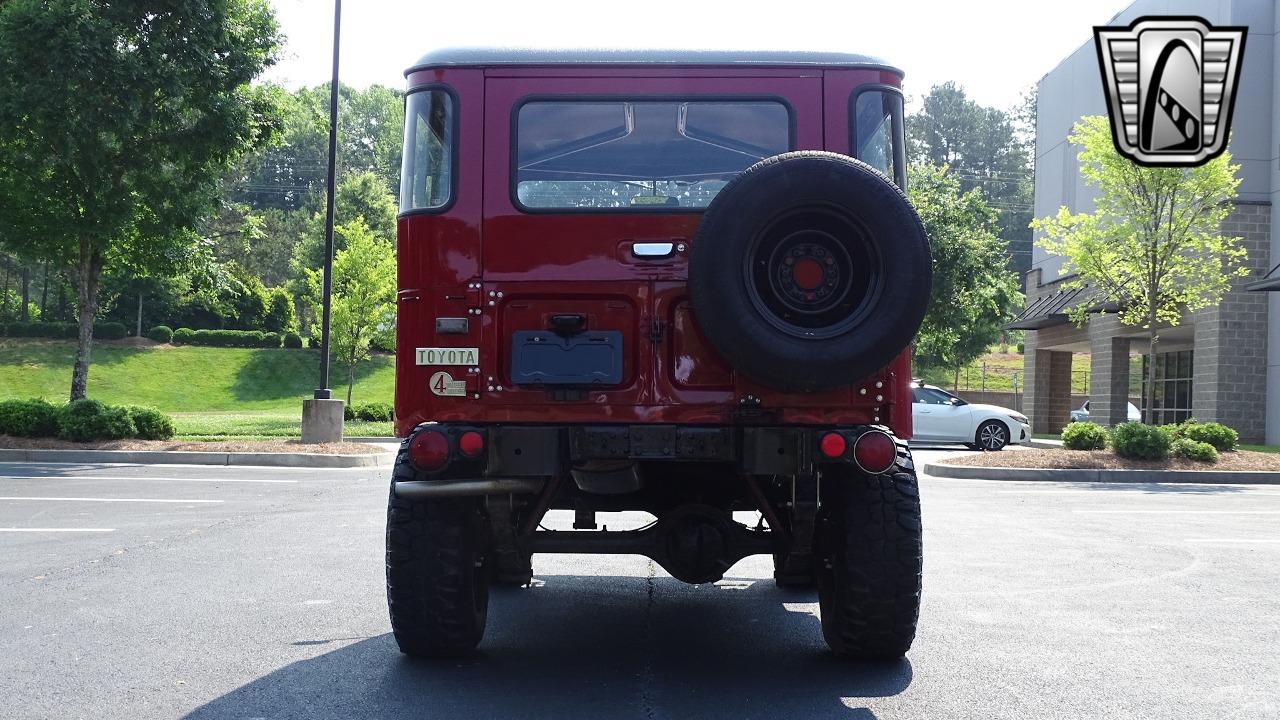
(385, 458)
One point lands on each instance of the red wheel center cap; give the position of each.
(808, 273)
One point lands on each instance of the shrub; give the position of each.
(19, 329)
(348, 412)
(150, 424)
(184, 336)
(28, 418)
(229, 338)
(281, 316)
(161, 333)
(1221, 437)
(109, 331)
(373, 412)
(91, 420)
(1084, 436)
(1140, 442)
(292, 340)
(1194, 450)
(1022, 347)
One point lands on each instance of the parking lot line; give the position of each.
(1235, 541)
(1136, 511)
(1141, 488)
(57, 530)
(109, 500)
(145, 477)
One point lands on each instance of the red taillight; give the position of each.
(832, 445)
(429, 450)
(875, 452)
(471, 443)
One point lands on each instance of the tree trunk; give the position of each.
(4, 294)
(955, 384)
(1151, 370)
(351, 380)
(44, 293)
(25, 312)
(87, 274)
(139, 333)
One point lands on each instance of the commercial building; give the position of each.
(1221, 363)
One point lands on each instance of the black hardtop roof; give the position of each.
(504, 56)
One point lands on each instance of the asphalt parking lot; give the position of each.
(170, 592)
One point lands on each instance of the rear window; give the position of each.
(640, 154)
(878, 132)
(426, 176)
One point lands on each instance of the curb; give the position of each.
(176, 457)
(1096, 475)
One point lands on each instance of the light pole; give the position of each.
(322, 415)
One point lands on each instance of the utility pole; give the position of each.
(322, 415)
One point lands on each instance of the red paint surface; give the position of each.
(553, 263)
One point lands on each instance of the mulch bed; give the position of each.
(264, 446)
(1105, 459)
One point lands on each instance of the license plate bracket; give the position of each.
(590, 359)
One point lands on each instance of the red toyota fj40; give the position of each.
(677, 283)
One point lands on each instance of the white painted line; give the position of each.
(142, 477)
(1177, 512)
(1235, 541)
(1141, 489)
(57, 530)
(111, 500)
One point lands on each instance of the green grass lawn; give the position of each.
(212, 393)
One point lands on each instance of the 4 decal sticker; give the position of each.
(443, 384)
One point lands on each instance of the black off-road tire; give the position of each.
(870, 561)
(866, 306)
(437, 575)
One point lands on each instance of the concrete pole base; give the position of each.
(321, 421)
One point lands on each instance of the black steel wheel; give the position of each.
(809, 271)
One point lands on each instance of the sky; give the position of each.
(996, 49)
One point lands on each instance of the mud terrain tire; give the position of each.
(437, 575)
(809, 271)
(870, 562)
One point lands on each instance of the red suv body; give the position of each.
(484, 257)
(677, 283)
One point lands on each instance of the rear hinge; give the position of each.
(656, 329)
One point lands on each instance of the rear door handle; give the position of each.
(653, 249)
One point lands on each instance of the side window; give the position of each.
(426, 175)
(929, 396)
(639, 154)
(877, 132)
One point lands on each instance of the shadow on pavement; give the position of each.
(592, 647)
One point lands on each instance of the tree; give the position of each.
(985, 148)
(116, 120)
(973, 292)
(290, 173)
(281, 317)
(364, 295)
(1153, 245)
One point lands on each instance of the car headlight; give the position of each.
(1020, 418)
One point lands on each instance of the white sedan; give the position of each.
(1082, 414)
(939, 416)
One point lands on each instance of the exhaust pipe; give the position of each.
(417, 489)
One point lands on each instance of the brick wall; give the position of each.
(1230, 384)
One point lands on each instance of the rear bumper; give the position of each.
(541, 451)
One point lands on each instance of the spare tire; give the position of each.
(809, 271)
